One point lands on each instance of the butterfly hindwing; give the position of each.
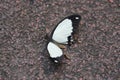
(54, 51)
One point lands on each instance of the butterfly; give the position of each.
(63, 34)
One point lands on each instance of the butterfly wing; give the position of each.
(54, 50)
(65, 29)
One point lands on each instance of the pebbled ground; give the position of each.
(23, 26)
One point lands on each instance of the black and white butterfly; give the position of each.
(62, 34)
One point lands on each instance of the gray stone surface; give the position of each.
(22, 45)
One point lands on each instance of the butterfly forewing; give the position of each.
(65, 29)
(62, 31)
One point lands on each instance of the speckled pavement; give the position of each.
(23, 25)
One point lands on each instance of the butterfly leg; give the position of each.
(67, 56)
(62, 46)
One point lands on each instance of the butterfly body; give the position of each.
(62, 34)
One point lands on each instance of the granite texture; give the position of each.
(23, 54)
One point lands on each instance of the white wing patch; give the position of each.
(63, 31)
(54, 50)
